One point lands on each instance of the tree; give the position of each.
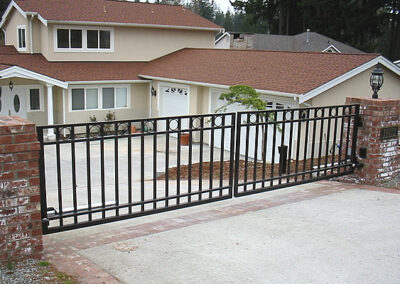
(250, 99)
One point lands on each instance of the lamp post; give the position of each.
(376, 81)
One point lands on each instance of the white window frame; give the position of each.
(28, 98)
(84, 39)
(20, 27)
(99, 97)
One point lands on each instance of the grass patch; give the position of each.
(44, 263)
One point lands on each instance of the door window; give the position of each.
(17, 103)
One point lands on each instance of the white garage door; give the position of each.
(217, 103)
(174, 101)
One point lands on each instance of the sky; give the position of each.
(224, 5)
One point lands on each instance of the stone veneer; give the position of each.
(20, 221)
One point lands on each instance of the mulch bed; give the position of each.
(251, 166)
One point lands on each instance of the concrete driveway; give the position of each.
(325, 232)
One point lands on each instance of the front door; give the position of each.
(13, 102)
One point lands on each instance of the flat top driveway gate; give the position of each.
(99, 172)
(285, 147)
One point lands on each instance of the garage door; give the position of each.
(174, 101)
(216, 103)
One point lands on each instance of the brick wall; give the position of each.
(382, 159)
(20, 223)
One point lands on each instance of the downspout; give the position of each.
(30, 34)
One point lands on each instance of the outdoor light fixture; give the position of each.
(376, 81)
(11, 85)
(153, 92)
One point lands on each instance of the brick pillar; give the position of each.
(382, 156)
(20, 222)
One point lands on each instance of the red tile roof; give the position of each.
(290, 72)
(70, 71)
(115, 12)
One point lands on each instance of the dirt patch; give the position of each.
(259, 170)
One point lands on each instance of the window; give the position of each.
(92, 98)
(99, 98)
(34, 99)
(78, 99)
(98, 39)
(21, 37)
(76, 39)
(69, 38)
(84, 39)
(108, 97)
(122, 97)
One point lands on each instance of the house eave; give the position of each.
(107, 82)
(220, 86)
(334, 82)
(134, 25)
(19, 72)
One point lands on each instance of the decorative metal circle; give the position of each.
(332, 111)
(122, 127)
(173, 124)
(94, 130)
(288, 115)
(252, 118)
(218, 120)
(196, 123)
(319, 112)
(65, 133)
(17, 103)
(149, 126)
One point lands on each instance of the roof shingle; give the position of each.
(280, 71)
(109, 11)
(70, 71)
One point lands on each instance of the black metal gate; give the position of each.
(99, 172)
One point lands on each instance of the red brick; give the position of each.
(36, 216)
(35, 198)
(33, 164)
(27, 156)
(28, 173)
(4, 158)
(6, 176)
(15, 166)
(22, 138)
(34, 181)
(6, 139)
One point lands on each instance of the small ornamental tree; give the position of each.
(250, 99)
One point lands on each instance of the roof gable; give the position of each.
(114, 12)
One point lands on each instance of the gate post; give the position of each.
(377, 146)
(20, 220)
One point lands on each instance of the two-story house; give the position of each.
(68, 60)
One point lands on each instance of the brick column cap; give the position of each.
(371, 101)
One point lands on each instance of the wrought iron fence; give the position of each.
(92, 173)
(284, 147)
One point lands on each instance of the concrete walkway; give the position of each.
(325, 232)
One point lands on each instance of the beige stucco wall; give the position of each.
(36, 35)
(14, 19)
(139, 107)
(133, 44)
(359, 86)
